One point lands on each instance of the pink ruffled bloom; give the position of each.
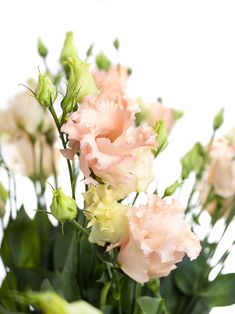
(112, 82)
(104, 133)
(221, 171)
(158, 112)
(159, 238)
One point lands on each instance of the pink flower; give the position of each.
(158, 112)
(112, 83)
(221, 171)
(159, 238)
(105, 135)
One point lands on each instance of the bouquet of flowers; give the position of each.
(101, 238)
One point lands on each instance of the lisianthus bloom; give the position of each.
(112, 82)
(221, 170)
(29, 159)
(152, 113)
(105, 135)
(28, 135)
(106, 216)
(159, 238)
(25, 115)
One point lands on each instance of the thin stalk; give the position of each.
(79, 227)
(54, 115)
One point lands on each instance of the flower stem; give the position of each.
(54, 115)
(79, 227)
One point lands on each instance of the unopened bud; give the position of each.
(42, 49)
(46, 92)
(63, 207)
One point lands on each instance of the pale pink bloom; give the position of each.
(25, 114)
(221, 171)
(157, 112)
(105, 135)
(113, 82)
(31, 160)
(159, 238)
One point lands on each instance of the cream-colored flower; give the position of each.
(28, 135)
(159, 238)
(31, 159)
(25, 114)
(106, 216)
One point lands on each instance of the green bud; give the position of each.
(46, 92)
(69, 48)
(177, 114)
(51, 303)
(80, 83)
(194, 161)
(42, 49)
(47, 301)
(3, 199)
(129, 71)
(218, 119)
(162, 139)
(102, 62)
(89, 51)
(63, 207)
(116, 44)
(170, 190)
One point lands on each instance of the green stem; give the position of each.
(79, 227)
(137, 294)
(54, 115)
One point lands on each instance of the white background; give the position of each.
(182, 51)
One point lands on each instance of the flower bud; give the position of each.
(218, 119)
(69, 49)
(42, 49)
(102, 62)
(116, 44)
(80, 83)
(47, 301)
(3, 199)
(89, 51)
(52, 303)
(46, 92)
(170, 190)
(63, 207)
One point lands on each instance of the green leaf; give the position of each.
(21, 246)
(31, 278)
(220, 292)
(170, 293)
(66, 282)
(149, 305)
(218, 119)
(45, 231)
(127, 294)
(194, 160)
(187, 275)
(5, 311)
(9, 284)
(102, 62)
